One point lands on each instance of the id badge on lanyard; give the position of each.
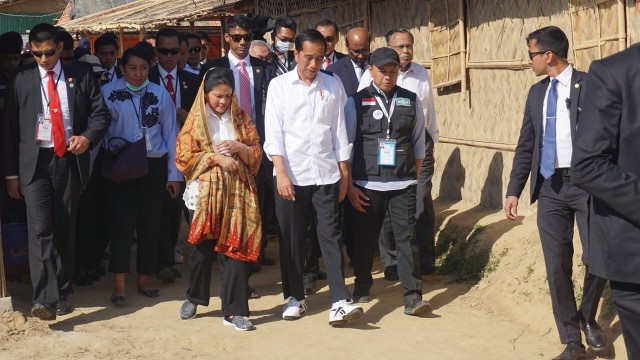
(386, 147)
(44, 128)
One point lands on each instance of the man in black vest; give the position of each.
(385, 123)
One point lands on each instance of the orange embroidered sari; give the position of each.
(227, 208)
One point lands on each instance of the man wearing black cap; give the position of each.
(386, 125)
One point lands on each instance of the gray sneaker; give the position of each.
(239, 322)
(416, 307)
(188, 310)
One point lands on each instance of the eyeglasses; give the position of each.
(48, 53)
(533, 54)
(402, 47)
(174, 51)
(237, 37)
(329, 38)
(195, 49)
(359, 52)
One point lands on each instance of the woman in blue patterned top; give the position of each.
(143, 116)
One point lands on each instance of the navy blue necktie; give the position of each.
(548, 162)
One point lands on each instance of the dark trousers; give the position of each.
(317, 205)
(425, 218)
(52, 202)
(626, 298)
(559, 204)
(235, 279)
(312, 259)
(93, 220)
(137, 205)
(264, 186)
(401, 205)
(172, 214)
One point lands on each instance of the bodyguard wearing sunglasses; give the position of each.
(329, 29)
(182, 87)
(544, 153)
(195, 51)
(45, 140)
(252, 77)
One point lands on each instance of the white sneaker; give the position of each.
(343, 311)
(293, 309)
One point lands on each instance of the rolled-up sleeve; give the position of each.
(341, 143)
(273, 116)
(419, 145)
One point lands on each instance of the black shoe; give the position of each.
(82, 279)
(63, 307)
(361, 298)
(166, 275)
(43, 312)
(268, 261)
(188, 310)
(391, 273)
(309, 287)
(93, 275)
(573, 351)
(416, 307)
(321, 275)
(176, 273)
(596, 338)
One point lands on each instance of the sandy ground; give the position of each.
(505, 315)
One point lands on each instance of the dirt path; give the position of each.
(506, 315)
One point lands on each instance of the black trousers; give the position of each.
(93, 220)
(401, 205)
(172, 214)
(264, 187)
(626, 298)
(235, 280)
(52, 201)
(317, 205)
(425, 218)
(137, 205)
(559, 204)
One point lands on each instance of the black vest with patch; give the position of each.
(369, 130)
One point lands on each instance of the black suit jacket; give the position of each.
(526, 162)
(263, 72)
(606, 164)
(187, 82)
(24, 103)
(347, 74)
(339, 55)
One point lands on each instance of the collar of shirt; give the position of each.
(564, 77)
(234, 61)
(409, 70)
(164, 72)
(357, 67)
(112, 72)
(56, 69)
(212, 115)
(294, 79)
(332, 57)
(380, 92)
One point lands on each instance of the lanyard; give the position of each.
(136, 109)
(48, 97)
(175, 88)
(384, 110)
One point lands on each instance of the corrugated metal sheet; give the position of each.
(23, 22)
(82, 8)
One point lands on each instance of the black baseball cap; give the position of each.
(384, 56)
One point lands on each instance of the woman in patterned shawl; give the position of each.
(218, 152)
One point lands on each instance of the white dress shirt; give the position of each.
(332, 60)
(61, 89)
(305, 124)
(234, 63)
(564, 148)
(191, 69)
(360, 70)
(415, 79)
(175, 82)
(112, 74)
(220, 128)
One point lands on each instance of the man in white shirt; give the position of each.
(306, 139)
(413, 77)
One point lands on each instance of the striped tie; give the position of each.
(245, 89)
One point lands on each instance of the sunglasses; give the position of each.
(237, 37)
(195, 49)
(330, 38)
(174, 51)
(533, 54)
(48, 53)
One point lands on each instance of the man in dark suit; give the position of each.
(544, 151)
(351, 68)
(106, 49)
(238, 34)
(605, 164)
(45, 137)
(183, 87)
(329, 29)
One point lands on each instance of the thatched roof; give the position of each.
(148, 14)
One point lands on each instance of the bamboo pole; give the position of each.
(622, 24)
(143, 33)
(192, 26)
(463, 58)
(121, 36)
(478, 144)
(222, 27)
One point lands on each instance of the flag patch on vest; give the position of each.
(403, 102)
(368, 102)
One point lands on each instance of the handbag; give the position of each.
(124, 160)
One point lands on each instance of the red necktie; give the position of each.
(55, 112)
(245, 89)
(326, 63)
(170, 87)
